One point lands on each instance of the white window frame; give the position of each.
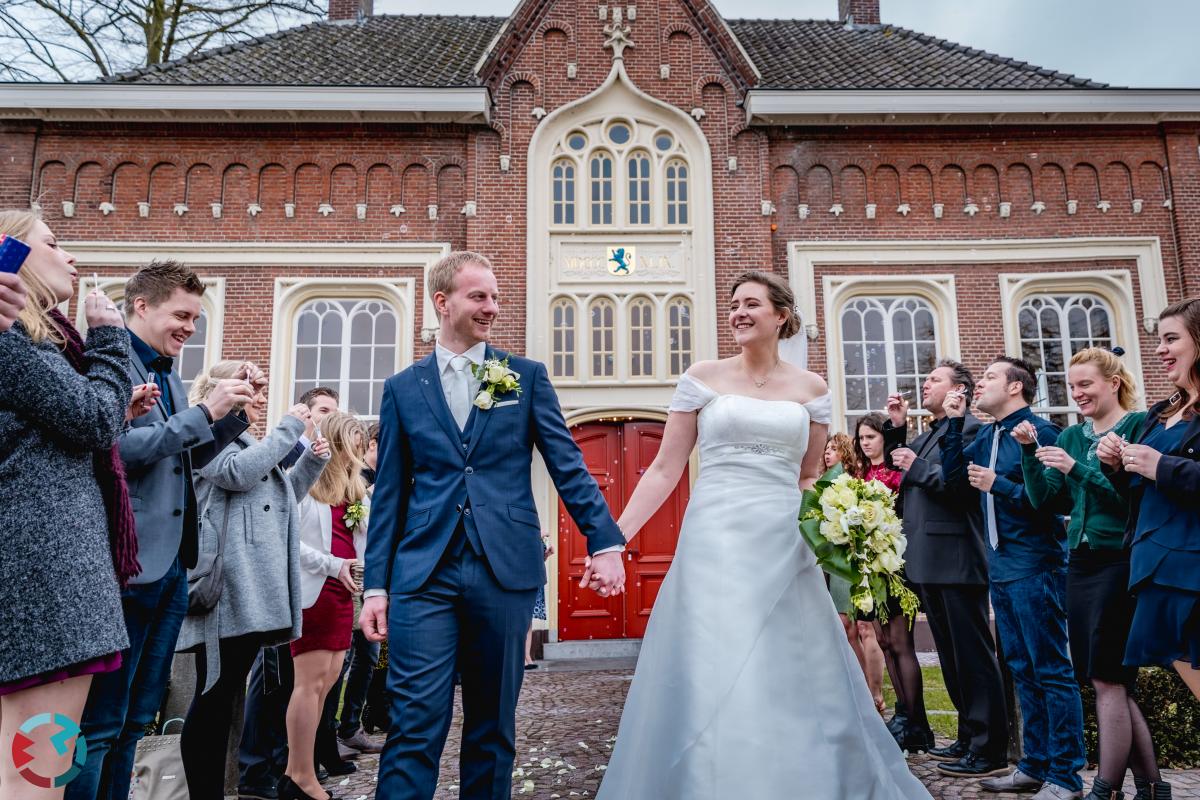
(614, 306)
(1113, 286)
(572, 353)
(685, 354)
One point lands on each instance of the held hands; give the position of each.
(955, 405)
(1054, 457)
(12, 299)
(981, 478)
(902, 458)
(228, 392)
(98, 310)
(373, 619)
(144, 398)
(897, 410)
(604, 574)
(1025, 433)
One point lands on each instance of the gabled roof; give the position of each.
(821, 54)
(442, 51)
(385, 50)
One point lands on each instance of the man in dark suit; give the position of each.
(160, 449)
(454, 558)
(946, 561)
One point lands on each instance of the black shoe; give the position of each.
(897, 723)
(1101, 790)
(973, 765)
(913, 739)
(288, 790)
(322, 775)
(1147, 790)
(257, 793)
(339, 768)
(951, 752)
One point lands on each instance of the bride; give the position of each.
(746, 688)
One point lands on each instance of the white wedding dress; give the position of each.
(746, 688)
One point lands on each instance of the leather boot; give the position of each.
(1102, 790)
(1151, 790)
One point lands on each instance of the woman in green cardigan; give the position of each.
(1067, 477)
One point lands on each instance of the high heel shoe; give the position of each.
(290, 790)
(914, 739)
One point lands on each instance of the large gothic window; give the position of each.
(1052, 328)
(349, 344)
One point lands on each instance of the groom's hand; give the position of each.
(373, 619)
(604, 573)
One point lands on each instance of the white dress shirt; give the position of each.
(476, 353)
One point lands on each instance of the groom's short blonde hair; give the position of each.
(442, 274)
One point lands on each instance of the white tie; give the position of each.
(460, 390)
(993, 532)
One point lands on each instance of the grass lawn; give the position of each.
(942, 716)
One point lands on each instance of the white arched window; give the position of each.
(604, 328)
(562, 319)
(349, 344)
(641, 338)
(638, 188)
(679, 335)
(563, 180)
(889, 344)
(1052, 328)
(677, 192)
(601, 174)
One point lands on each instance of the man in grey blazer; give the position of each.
(160, 449)
(947, 562)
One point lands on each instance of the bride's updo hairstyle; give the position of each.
(778, 293)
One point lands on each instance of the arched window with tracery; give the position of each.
(677, 192)
(602, 315)
(601, 174)
(889, 345)
(638, 188)
(679, 335)
(562, 320)
(349, 344)
(641, 338)
(1053, 328)
(563, 201)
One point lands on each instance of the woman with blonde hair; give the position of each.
(1099, 605)
(333, 534)
(250, 513)
(68, 534)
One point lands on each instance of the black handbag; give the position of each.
(207, 578)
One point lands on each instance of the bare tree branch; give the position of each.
(70, 40)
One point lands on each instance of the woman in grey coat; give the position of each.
(63, 403)
(244, 491)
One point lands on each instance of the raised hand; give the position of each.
(903, 457)
(981, 478)
(145, 396)
(321, 447)
(98, 310)
(897, 410)
(955, 404)
(1054, 457)
(1109, 448)
(1141, 460)
(300, 411)
(1025, 433)
(256, 377)
(12, 299)
(228, 392)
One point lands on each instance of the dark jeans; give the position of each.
(958, 620)
(361, 658)
(262, 755)
(121, 704)
(205, 738)
(1031, 619)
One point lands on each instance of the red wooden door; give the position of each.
(617, 454)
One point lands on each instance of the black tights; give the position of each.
(1124, 735)
(206, 730)
(900, 653)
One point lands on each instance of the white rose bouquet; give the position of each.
(852, 527)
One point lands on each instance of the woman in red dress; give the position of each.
(910, 726)
(333, 533)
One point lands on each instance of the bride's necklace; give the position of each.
(760, 384)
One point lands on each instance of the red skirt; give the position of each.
(328, 623)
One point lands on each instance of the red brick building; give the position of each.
(621, 163)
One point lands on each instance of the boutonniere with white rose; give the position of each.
(494, 378)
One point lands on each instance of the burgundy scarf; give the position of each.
(110, 473)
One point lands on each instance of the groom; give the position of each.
(454, 559)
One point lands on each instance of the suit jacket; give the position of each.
(431, 479)
(1178, 479)
(944, 527)
(160, 453)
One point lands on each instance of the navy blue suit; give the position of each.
(456, 540)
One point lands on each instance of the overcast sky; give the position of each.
(1148, 43)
